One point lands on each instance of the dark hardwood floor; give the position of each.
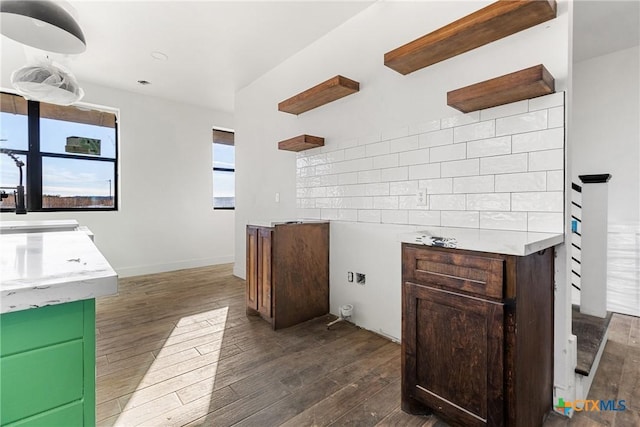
(176, 349)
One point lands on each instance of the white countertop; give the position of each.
(273, 223)
(496, 241)
(51, 268)
(35, 226)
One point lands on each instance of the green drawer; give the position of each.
(40, 380)
(39, 327)
(64, 416)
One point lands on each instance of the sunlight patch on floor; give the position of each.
(193, 347)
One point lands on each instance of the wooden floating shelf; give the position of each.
(524, 84)
(301, 143)
(491, 23)
(335, 88)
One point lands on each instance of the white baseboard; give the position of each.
(179, 265)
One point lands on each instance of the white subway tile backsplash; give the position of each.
(347, 143)
(489, 202)
(424, 217)
(385, 161)
(394, 133)
(464, 219)
(460, 119)
(308, 213)
(481, 130)
(504, 110)
(368, 216)
(377, 149)
(326, 169)
(513, 181)
(437, 186)
(504, 220)
(403, 144)
(370, 176)
(414, 157)
(504, 164)
(304, 172)
(434, 139)
(519, 182)
(447, 202)
(545, 222)
(395, 217)
(527, 122)
(348, 215)
(329, 214)
(395, 174)
(431, 170)
(555, 180)
(429, 126)
(385, 202)
(403, 188)
(473, 184)
(347, 178)
(355, 153)
(369, 139)
(308, 192)
(551, 201)
(489, 147)
(556, 117)
(547, 101)
(376, 189)
(354, 202)
(334, 156)
(460, 168)
(546, 160)
(536, 141)
(305, 203)
(340, 191)
(409, 201)
(448, 152)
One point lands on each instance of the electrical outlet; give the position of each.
(277, 197)
(361, 278)
(350, 276)
(421, 197)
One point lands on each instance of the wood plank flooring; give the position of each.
(176, 349)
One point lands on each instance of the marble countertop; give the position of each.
(273, 223)
(35, 226)
(496, 241)
(51, 268)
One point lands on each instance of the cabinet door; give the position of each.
(453, 355)
(264, 271)
(251, 293)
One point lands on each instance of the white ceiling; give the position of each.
(605, 26)
(214, 47)
(217, 47)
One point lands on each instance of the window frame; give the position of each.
(217, 140)
(34, 159)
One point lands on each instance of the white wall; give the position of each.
(165, 219)
(605, 136)
(387, 100)
(606, 127)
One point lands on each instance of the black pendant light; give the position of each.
(41, 24)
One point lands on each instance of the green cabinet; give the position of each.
(47, 366)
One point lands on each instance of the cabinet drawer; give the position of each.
(39, 327)
(64, 416)
(39, 380)
(454, 270)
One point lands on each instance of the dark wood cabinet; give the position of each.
(288, 272)
(477, 336)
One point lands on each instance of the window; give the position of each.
(70, 156)
(224, 170)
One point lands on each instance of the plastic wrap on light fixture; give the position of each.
(47, 82)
